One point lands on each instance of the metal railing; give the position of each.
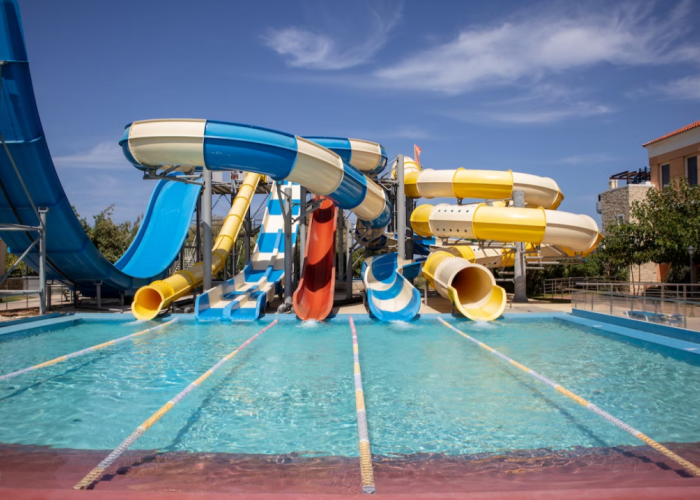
(563, 287)
(676, 291)
(26, 297)
(668, 311)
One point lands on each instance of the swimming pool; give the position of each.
(427, 389)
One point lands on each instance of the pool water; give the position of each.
(427, 389)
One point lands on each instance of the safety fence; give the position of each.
(586, 404)
(96, 473)
(666, 311)
(82, 352)
(366, 469)
(563, 288)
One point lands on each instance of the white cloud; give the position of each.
(318, 50)
(527, 49)
(104, 156)
(684, 88)
(586, 158)
(530, 115)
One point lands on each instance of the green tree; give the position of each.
(110, 238)
(661, 229)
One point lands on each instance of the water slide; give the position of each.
(390, 296)
(460, 272)
(71, 256)
(150, 300)
(313, 298)
(244, 297)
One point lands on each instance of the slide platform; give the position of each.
(244, 297)
(71, 256)
(313, 298)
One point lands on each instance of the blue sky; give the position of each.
(556, 89)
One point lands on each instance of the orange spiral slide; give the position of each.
(313, 298)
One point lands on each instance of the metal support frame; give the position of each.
(302, 231)
(206, 229)
(519, 278)
(98, 292)
(286, 201)
(248, 231)
(340, 247)
(400, 209)
(198, 233)
(42, 260)
(348, 270)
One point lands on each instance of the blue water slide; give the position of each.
(71, 256)
(390, 296)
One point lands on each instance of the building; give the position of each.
(675, 155)
(671, 156)
(615, 206)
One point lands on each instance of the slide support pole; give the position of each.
(42, 260)
(400, 210)
(302, 230)
(340, 231)
(519, 280)
(248, 230)
(348, 271)
(288, 254)
(206, 229)
(198, 234)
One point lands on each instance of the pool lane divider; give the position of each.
(94, 348)
(366, 470)
(95, 474)
(586, 404)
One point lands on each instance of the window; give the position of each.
(665, 175)
(620, 219)
(692, 164)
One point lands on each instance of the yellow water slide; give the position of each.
(151, 299)
(462, 183)
(455, 273)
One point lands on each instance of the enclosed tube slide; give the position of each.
(480, 184)
(313, 298)
(154, 144)
(152, 299)
(470, 287)
(71, 256)
(575, 234)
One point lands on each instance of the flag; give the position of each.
(416, 153)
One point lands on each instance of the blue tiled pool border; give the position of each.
(675, 338)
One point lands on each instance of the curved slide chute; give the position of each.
(390, 296)
(71, 256)
(154, 144)
(313, 298)
(152, 299)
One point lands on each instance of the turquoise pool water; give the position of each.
(427, 389)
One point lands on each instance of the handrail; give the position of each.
(586, 404)
(96, 473)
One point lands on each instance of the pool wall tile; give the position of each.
(635, 324)
(681, 345)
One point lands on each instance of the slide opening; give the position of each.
(473, 286)
(147, 303)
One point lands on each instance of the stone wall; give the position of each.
(616, 203)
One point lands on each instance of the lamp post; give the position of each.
(691, 251)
